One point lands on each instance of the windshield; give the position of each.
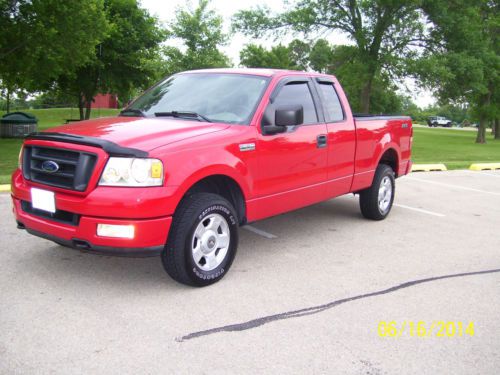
(218, 97)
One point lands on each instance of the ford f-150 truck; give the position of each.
(200, 154)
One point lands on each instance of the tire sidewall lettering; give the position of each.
(208, 276)
(220, 208)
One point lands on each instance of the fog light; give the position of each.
(116, 231)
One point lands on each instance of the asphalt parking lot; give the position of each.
(306, 294)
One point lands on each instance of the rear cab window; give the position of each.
(331, 102)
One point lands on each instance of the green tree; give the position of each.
(322, 57)
(463, 61)
(121, 62)
(42, 39)
(382, 31)
(350, 69)
(295, 56)
(200, 30)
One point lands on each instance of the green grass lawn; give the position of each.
(47, 118)
(455, 148)
(9, 152)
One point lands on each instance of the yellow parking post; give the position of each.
(4, 188)
(484, 166)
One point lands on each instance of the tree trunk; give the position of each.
(8, 100)
(481, 130)
(366, 94)
(372, 68)
(496, 126)
(88, 108)
(80, 106)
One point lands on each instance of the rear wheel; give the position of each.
(202, 241)
(376, 201)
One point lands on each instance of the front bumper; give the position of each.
(102, 250)
(130, 208)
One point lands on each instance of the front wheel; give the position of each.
(202, 241)
(376, 201)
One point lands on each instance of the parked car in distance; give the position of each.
(200, 154)
(434, 121)
(468, 124)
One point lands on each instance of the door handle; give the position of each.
(321, 141)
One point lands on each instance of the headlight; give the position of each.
(132, 172)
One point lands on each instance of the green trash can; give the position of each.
(17, 125)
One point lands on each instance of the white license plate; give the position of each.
(43, 200)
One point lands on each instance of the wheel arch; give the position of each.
(390, 157)
(222, 183)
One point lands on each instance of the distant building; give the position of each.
(105, 101)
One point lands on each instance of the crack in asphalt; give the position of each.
(254, 323)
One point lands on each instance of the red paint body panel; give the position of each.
(143, 134)
(341, 149)
(285, 171)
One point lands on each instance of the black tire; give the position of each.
(369, 198)
(177, 257)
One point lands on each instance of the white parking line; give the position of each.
(258, 231)
(419, 210)
(452, 186)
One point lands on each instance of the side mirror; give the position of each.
(289, 115)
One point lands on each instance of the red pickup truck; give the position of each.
(200, 154)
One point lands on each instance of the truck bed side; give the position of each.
(381, 137)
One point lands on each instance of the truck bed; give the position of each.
(375, 133)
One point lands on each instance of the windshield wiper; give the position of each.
(132, 111)
(184, 114)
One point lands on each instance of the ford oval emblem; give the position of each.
(50, 166)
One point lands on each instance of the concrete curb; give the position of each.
(484, 166)
(4, 188)
(428, 167)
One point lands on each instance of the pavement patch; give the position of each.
(317, 309)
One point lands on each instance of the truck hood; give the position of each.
(140, 133)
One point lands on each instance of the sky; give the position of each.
(165, 11)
